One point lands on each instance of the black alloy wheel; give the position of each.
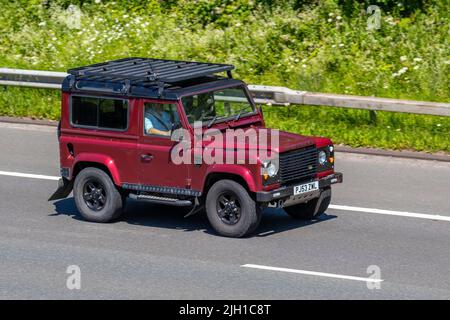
(94, 194)
(228, 208)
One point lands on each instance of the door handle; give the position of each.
(146, 157)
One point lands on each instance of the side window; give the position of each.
(84, 111)
(100, 113)
(113, 114)
(159, 118)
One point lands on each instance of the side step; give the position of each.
(161, 200)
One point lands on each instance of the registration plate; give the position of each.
(307, 187)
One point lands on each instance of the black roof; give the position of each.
(143, 76)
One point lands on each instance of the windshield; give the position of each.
(217, 105)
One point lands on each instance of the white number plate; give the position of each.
(307, 187)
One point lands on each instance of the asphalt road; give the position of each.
(155, 253)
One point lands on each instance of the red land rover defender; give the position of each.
(117, 140)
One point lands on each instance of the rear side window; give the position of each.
(100, 113)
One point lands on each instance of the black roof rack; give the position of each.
(145, 71)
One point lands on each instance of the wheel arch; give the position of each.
(238, 173)
(103, 163)
(213, 177)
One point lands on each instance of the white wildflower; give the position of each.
(400, 72)
(403, 58)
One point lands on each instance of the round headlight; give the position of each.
(322, 157)
(272, 170)
(269, 168)
(331, 148)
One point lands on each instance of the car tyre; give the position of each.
(231, 210)
(96, 197)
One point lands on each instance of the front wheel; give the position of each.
(96, 196)
(230, 209)
(312, 208)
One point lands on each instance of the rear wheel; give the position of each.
(230, 209)
(96, 196)
(312, 208)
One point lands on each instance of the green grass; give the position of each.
(36, 103)
(307, 45)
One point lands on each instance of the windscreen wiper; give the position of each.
(210, 123)
(241, 112)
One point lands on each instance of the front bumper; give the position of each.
(288, 191)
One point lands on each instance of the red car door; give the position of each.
(154, 151)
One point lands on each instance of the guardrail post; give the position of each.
(373, 116)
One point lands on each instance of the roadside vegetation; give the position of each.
(310, 45)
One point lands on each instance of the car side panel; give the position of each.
(116, 150)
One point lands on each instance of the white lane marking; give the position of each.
(28, 175)
(390, 212)
(312, 273)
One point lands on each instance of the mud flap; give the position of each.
(196, 208)
(64, 188)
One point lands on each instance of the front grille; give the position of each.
(299, 164)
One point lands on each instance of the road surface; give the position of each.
(386, 236)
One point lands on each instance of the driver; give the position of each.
(157, 120)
